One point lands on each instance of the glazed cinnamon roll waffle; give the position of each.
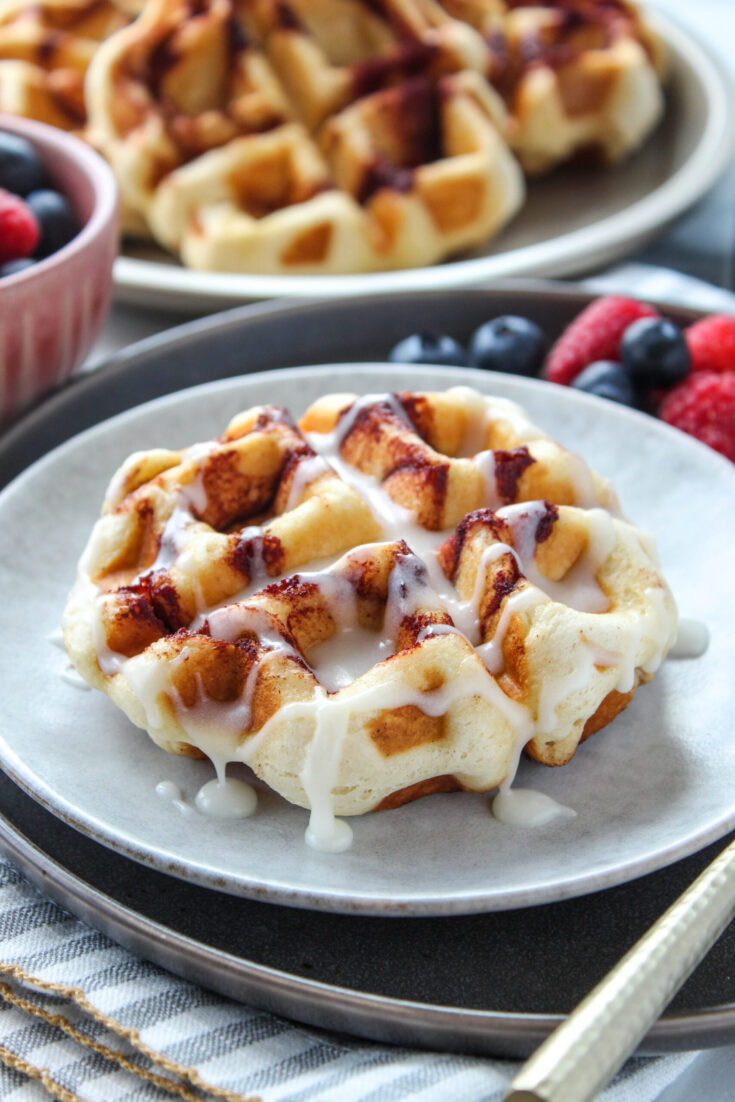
(395, 598)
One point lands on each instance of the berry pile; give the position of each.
(35, 220)
(619, 349)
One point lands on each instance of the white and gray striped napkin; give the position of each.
(82, 1018)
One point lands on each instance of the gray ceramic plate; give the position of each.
(573, 220)
(653, 788)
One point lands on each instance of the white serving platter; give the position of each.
(574, 220)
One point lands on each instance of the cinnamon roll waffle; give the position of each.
(45, 51)
(331, 136)
(580, 78)
(393, 599)
(306, 138)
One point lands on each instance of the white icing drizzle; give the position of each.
(519, 600)
(692, 640)
(478, 420)
(226, 798)
(172, 542)
(365, 402)
(347, 655)
(229, 798)
(581, 478)
(579, 588)
(527, 807)
(485, 463)
(309, 468)
(194, 493)
(167, 790)
(331, 715)
(67, 672)
(201, 450)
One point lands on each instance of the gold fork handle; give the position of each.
(585, 1051)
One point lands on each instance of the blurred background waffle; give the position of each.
(45, 51)
(333, 136)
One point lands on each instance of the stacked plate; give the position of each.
(441, 926)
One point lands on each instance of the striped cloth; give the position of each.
(82, 1018)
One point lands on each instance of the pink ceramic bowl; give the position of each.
(51, 314)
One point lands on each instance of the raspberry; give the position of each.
(704, 406)
(595, 334)
(19, 232)
(711, 343)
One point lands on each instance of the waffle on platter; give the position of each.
(332, 136)
(392, 599)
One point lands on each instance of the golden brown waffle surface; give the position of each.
(45, 49)
(392, 599)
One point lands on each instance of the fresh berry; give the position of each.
(21, 170)
(12, 267)
(429, 348)
(55, 218)
(711, 343)
(654, 352)
(606, 379)
(511, 344)
(704, 406)
(594, 335)
(18, 228)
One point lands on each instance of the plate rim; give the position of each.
(41, 417)
(136, 280)
(367, 903)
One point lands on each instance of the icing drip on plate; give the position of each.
(526, 807)
(692, 640)
(67, 673)
(228, 798)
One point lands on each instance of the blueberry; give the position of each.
(55, 218)
(607, 380)
(511, 344)
(429, 348)
(21, 170)
(655, 353)
(11, 267)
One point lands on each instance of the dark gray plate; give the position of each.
(492, 983)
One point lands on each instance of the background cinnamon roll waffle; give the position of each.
(45, 51)
(392, 599)
(333, 136)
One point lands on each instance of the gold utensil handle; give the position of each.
(586, 1050)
